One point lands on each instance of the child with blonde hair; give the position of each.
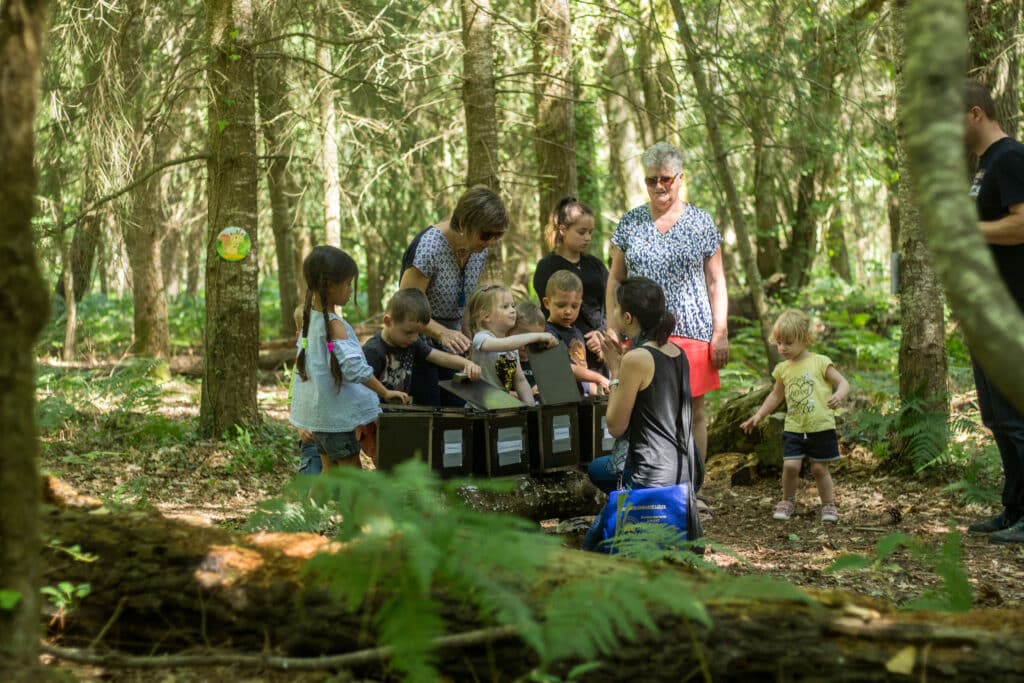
(491, 316)
(812, 388)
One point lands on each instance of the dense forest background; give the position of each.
(159, 385)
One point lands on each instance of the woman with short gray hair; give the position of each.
(677, 245)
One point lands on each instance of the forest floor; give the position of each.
(221, 483)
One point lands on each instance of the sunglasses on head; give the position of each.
(653, 180)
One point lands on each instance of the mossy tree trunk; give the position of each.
(162, 586)
(24, 308)
(922, 355)
(231, 338)
(555, 137)
(933, 113)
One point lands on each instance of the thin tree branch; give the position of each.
(262, 661)
(130, 186)
(314, 38)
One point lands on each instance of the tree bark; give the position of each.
(329, 132)
(274, 110)
(621, 131)
(993, 55)
(922, 356)
(231, 337)
(933, 96)
(160, 585)
(555, 141)
(24, 309)
(705, 97)
(142, 231)
(478, 94)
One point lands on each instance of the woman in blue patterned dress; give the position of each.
(444, 262)
(677, 245)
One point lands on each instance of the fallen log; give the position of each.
(162, 586)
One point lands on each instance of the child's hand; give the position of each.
(602, 384)
(546, 340)
(594, 338)
(748, 425)
(835, 400)
(472, 371)
(392, 396)
(305, 436)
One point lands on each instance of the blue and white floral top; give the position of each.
(675, 260)
(450, 285)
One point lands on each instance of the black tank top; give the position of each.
(661, 446)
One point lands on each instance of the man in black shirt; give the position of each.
(998, 189)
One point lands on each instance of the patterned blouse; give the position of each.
(450, 285)
(674, 260)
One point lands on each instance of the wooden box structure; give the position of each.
(555, 426)
(441, 437)
(595, 439)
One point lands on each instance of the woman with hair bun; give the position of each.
(649, 400)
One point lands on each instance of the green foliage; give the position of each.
(65, 595)
(65, 396)
(920, 437)
(945, 562)
(409, 538)
(9, 599)
(979, 481)
(259, 450)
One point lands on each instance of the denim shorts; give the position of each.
(818, 446)
(309, 458)
(336, 445)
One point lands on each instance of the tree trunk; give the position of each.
(838, 253)
(273, 98)
(84, 244)
(478, 94)
(933, 97)
(24, 309)
(329, 132)
(766, 214)
(70, 302)
(193, 257)
(555, 141)
(619, 119)
(706, 99)
(160, 585)
(993, 55)
(142, 226)
(143, 243)
(231, 338)
(922, 356)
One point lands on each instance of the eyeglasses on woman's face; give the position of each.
(653, 180)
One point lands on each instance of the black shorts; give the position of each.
(818, 446)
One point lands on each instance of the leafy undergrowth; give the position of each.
(134, 446)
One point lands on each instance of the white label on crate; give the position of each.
(561, 434)
(510, 446)
(452, 448)
(607, 440)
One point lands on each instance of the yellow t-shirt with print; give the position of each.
(807, 393)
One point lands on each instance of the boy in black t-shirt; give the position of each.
(394, 349)
(563, 298)
(529, 318)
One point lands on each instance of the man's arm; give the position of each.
(1008, 230)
